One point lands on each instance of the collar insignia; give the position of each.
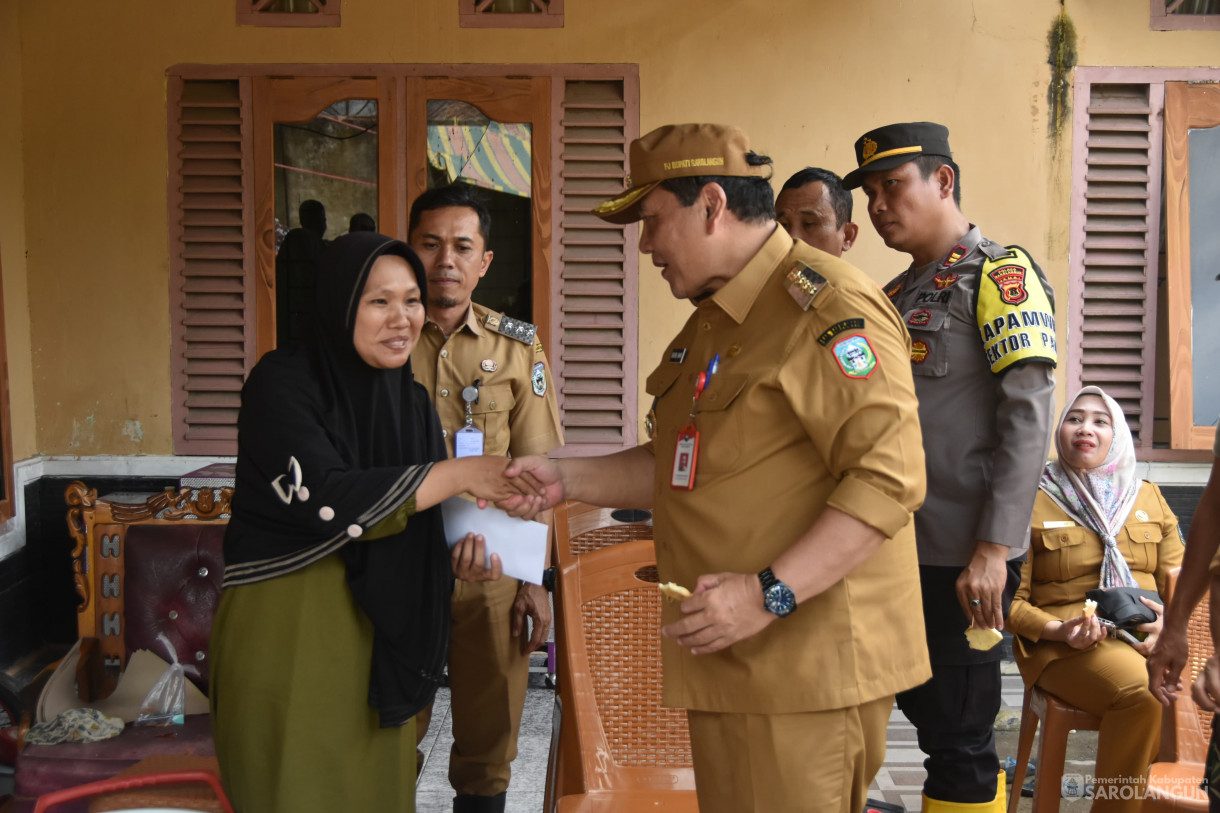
(956, 254)
(893, 290)
(677, 355)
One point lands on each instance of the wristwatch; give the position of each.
(777, 596)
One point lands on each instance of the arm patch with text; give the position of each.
(1015, 316)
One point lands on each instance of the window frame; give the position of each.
(1085, 79)
(249, 12)
(474, 14)
(1161, 20)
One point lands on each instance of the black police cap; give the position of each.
(895, 144)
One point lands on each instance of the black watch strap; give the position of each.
(767, 578)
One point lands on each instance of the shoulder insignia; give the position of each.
(538, 379)
(995, 251)
(523, 332)
(840, 327)
(956, 254)
(855, 356)
(804, 284)
(1015, 315)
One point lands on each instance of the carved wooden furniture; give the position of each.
(149, 577)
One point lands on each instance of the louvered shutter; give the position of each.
(598, 302)
(210, 262)
(1113, 302)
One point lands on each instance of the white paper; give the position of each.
(520, 543)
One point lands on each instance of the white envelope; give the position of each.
(520, 543)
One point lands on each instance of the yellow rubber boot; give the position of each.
(997, 805)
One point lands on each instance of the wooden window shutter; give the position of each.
(597, 305)
(1112, 297)
(211, 265)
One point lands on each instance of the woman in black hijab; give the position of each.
(334, 622)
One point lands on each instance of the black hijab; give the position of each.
(363, 440)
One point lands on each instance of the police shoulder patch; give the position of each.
(855, 356)
(523, 332)
(1015, 315)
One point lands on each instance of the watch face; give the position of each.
(779, 599)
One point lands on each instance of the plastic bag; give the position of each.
(165, 703)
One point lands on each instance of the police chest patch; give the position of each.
(539, 379)
(919, 351)
(855, 356)
(945, 280)
(840, 327)
(920, 318)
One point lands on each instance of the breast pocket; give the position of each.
(1143, 538)
(718, 418)
(929, 329)
(491, 415)
(1057, 553)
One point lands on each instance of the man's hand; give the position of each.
(983, 581)
(469, 557)
(1165, 664)
(532, 601)
(725, 608)
(1206, 691)
(533, 475)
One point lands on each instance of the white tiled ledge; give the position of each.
(12, 532)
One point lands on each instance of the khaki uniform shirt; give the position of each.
(809, 408)
(1065, 562)
(985, 416)
(517, 411)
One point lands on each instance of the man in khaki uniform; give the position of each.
(783, 491)
(492, 388)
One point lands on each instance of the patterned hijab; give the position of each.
(1100, 499)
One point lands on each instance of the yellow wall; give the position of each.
(12, 237)
(803, 78)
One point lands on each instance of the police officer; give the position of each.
(784, 467)
(982, 325)
(491, 384)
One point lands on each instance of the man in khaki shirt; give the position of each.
(790, 517)
(492, 388)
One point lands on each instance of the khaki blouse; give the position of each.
(1065, 562)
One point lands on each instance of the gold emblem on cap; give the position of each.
(1141, 516)
(867, 149)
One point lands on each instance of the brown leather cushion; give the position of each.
(172, 587)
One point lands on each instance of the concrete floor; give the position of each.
(899, 781)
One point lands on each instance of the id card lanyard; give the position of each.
(686, 451)
(468, 441)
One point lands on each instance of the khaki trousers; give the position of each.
(1110, 680)
(487, 681)
(818, 761)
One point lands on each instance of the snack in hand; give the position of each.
(674, 592)
(983, 639)
(1090, 607)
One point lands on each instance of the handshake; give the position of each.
(522, 487)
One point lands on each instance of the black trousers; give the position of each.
(954, 712)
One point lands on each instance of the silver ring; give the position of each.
(974, 602)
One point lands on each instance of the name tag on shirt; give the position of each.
(467, 442)
(1059, 523)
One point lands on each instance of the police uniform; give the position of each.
(983, 352)
(812, 406)
(518, 415)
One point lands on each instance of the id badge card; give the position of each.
(686, 455)
(467, 442)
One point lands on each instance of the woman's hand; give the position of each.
(484, 478)
(1206, 691)
(1153, 628)
(1081, 632)
(468, 558)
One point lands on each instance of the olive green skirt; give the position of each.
(289, 693)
